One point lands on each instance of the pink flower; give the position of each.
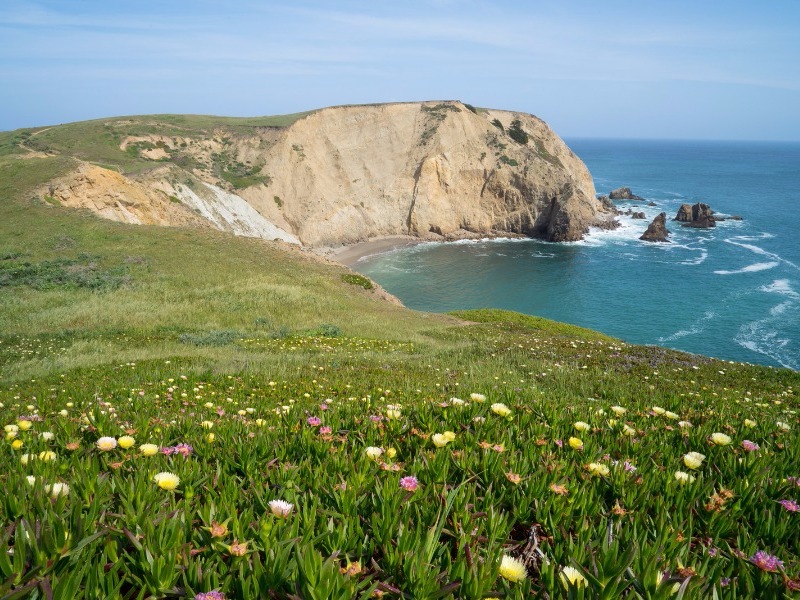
(750, 446)
(559, 443)
(790, 505)
(409, 483)
(213, 595)
(314, 421)
(325, 430)
(766, 562)
(183, 449)
(323, 406)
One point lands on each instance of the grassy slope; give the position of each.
(93, 308)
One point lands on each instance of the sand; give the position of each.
(350, 255)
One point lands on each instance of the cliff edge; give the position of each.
(346, 174)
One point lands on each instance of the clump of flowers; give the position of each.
(167, 481)
(183, 449)
(512, 569)
(598, 469)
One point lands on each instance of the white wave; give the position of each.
(697, 327)
(780, 286)
(754, 268)
(740, 240)
(777, 311)
(762, 338)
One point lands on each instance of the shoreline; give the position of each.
(349, 254)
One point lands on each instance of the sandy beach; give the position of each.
(350, 255)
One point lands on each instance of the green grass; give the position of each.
(107, 329)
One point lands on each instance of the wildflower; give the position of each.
(210, 437)
(500, 409)
(750, 446)
(790, 505)
(106, 443)
(73, 446)
(218, 530)
(449, 436)
(683, 477)
(439, 440)
(749, 423)
(373, 452)
(281, 508)
(477, 397)
(782, 426)
(47, 455)
(693, 460)
(513, 477)
(31, 480)
(212, 595)
(25, 458)
(167, 481)
(183, 449)
(457, 402)
(766, 562)
(672, 415)
(570, 576)
(126, 442)
(393, 413)
(57, 489)
(409, 483)
(658, 410)
(325, 430)
(148, 449)
(684, 424)
(598, 469)
(47, 436)
(391, 453)
(238, 548)
(11, 428)
(559, 489)
(575, 443)
(581, 426)
(512, 569)
(628, 430)
(619, 410)
(720, 439)
(314, 421)
(17, 444)
(24, 425)
(629, 467)
(207, 424)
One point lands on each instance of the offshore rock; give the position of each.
(657, 230)
(624, 193)
(698, 215)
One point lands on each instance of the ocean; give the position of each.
(732, 292)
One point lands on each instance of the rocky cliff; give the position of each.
(346, 174)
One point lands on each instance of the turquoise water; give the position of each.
(732, 292)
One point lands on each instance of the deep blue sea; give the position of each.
(732, 292)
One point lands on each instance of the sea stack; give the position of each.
(657, 230)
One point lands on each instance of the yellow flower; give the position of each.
(683, 478)
(628, 430)
(693, 460)
(391, 453)
(439, 440)
(17, 444)
(167, 481)
(210, 437)
(720, 439)
(512, 569)
(449, 436)
(672, 415)
(477, 397)
(658, 410)
(500, 409)
(11, 428)
(749, 423)
(571, 576)
(148, 449)
(24, 425)
(619, 410)
(106, 443)
(207, 424)
(598, 469)
(47, 455)
(575, 443)
(393, 413)
(126, 442)
(581, 426)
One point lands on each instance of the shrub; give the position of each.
(358, 280)
(498, 124)
(516, 133)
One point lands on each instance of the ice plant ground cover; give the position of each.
(604, 518)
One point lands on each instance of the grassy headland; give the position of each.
(416, 450)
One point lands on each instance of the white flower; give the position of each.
(783, 426)
(619, 410)
(477, 397)
(571, 576)
(280, 508)
(720, 439)
(683, 477)
(106, 443)
(500, 409)
(693, 460)
(57, 489)
(373, 452)
(581, 426)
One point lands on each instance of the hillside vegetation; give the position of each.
(190, 414)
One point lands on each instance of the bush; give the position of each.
(358, 280)
(516, 133)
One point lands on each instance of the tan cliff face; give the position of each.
(346, 174)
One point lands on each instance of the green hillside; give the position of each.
(416, 450)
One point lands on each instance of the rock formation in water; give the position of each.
(623, 193)
(698, 215)
(657, 230)
(346, 174)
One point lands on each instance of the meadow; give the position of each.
(191, 415)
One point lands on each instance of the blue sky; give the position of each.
(700, 69)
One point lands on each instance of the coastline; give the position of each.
(348, 255)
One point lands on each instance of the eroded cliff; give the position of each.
(346, 174)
